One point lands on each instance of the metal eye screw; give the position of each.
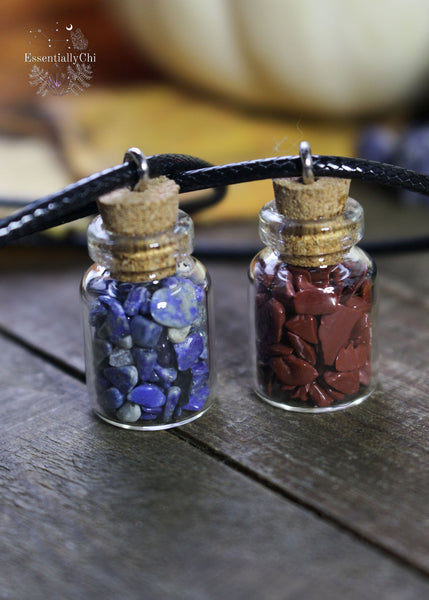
(136, 156)
(307, 162)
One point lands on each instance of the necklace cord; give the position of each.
(192, 174)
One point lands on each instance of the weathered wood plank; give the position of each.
(92, 511)
(39, 299)
(365, 468)
(407, 275)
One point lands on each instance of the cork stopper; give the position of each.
(143, 248)
(150, 208)
(316, 230)
(325, 197)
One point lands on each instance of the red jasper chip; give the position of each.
(320, 277)
(315, 302)
(264, 271)
(336, 395)
(339, 275)
(302, 281)
(260, 299)
(319, 395)
(282, 286)
(293, 371)
(301, 392)
(280, 350)
(305, 326)
(356, 277)
(352, 357)
(366, 293)
(278, 318)
(365, 374)
(346, 381)
(361, 332)
(335, 329)
(302, 348)
(271, 318)
(359, 303)
(287, 388)
(260, 272)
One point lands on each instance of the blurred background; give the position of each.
(224, 80)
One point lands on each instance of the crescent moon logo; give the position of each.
(69, 27)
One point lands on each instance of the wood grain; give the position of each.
(93, 511)
(39, 300)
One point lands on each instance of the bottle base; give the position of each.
(316, 409)
(147, 427)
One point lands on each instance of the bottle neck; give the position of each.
(141, 258)
(311, 242)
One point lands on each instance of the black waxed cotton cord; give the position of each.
(191, 174)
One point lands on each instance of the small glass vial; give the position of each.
(146, 312)
(313, 300)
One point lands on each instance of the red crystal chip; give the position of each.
(280, 350)
(278, 318)
(264, 271)
(305, 326)
(335, 329)
(302, 280)
(365, 374)
(301, 392)
(315, 302)
(366, 293)
(336, 395)
(359, 303)
(270, 321)
(282, 286)
(302, 348)
(351, 357)
(293, 371)
(361, 332)
(345, 381)
(320, 396)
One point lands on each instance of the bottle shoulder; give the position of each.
(98, 280)
(268, 266)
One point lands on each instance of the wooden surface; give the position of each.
(248, 502)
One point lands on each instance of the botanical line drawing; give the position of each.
(75, 81)
(78, 77)
(79, 41)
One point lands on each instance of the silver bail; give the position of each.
(307, 162)
(136, 156)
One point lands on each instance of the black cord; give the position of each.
(191, 174)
